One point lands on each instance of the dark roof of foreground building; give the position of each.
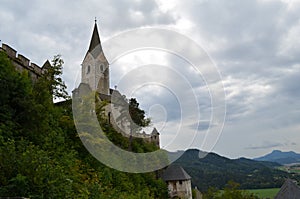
(175, 172)
(289, 190)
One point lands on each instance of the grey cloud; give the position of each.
(271, 145)
(265, 146)
(202, 125)
(42, 29)
(120, 15)
(289, 86)
(248, 38)
(248, 32)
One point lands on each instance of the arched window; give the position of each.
(101, 67)
(88, 69)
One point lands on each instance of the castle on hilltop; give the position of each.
(95, 77)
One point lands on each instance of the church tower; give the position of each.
(95, 67)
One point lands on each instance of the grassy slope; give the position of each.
(265, 193)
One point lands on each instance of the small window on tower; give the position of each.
(101, 67)
(88, 69)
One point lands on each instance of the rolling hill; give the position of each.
(280, 157)
(215, 171)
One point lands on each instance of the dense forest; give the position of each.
(41, 155)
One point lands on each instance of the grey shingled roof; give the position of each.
(175, 172)
(289, 190)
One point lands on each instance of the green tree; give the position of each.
(231, 191)
(138, 115)
(52, 81)
(35, 158)
(15, 98)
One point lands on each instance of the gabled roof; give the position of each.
(46, 65)
(174, 173)
(154, 131)
(289, 190)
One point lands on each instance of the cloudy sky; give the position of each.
(253, 43)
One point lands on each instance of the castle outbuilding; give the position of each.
(178, 181)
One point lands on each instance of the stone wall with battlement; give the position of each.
(22, 63)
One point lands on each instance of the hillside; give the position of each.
(41, 155)
(214, 170)
(281, 157)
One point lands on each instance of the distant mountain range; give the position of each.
(281, 157)
(214, 170)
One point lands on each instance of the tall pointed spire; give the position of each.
(95, 41)
(95, 67)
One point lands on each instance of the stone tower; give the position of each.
(154, 137)
(95, 67)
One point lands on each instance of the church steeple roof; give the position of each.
(95, 41)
